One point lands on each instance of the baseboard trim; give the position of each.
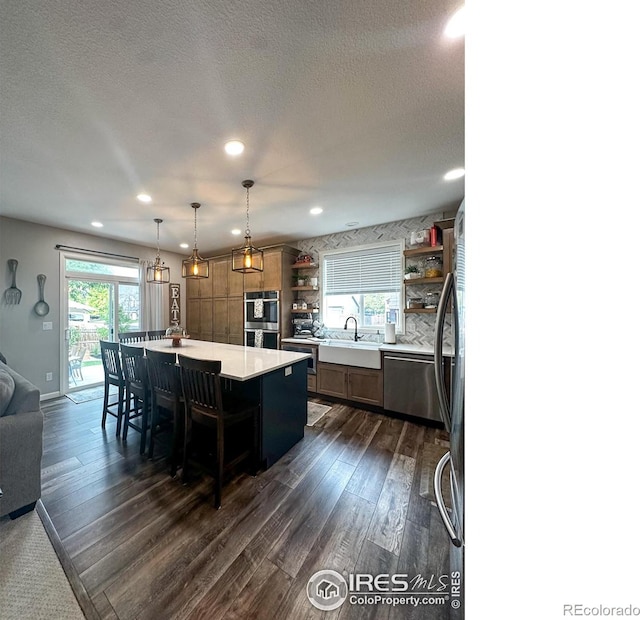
(80, 592)
(51, 395)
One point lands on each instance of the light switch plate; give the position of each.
(47, 325)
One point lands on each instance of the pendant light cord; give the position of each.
(247, 231)
(195, 206)
(158, 239)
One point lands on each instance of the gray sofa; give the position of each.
(21, 422)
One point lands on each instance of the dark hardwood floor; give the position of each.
(355, 495)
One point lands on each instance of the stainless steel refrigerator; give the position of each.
(451, 403)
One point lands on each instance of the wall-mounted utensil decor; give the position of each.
(13, 294)
(42, 307)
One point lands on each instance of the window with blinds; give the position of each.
(364, 282)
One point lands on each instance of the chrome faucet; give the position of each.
(355, 336)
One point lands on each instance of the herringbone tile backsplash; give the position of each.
(418, 328)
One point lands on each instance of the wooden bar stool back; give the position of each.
(128, 337)
(110, 353)
(167, 403)
(206, 407)
(137, 396)
(157, 334)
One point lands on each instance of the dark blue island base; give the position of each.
(282, 396)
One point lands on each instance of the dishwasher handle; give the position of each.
(408, 359)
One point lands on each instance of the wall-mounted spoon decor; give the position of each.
(13, 294)
(42, 307)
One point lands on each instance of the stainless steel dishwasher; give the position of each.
(410, 385)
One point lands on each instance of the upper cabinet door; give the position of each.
(272, 275)
(219, 273)
(235, 286)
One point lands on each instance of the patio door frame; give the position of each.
(113, 280)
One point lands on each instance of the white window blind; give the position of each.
(365, 270)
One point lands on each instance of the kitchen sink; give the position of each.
(350, 353)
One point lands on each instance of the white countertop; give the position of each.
(239, 363)
(420, 349)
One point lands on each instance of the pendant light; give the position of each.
(195, 266)
(247, 259)
(156, 273)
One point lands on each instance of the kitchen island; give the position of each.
(274, 379)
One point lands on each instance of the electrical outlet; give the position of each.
(47, 325)
(49, 376)
(287, 371)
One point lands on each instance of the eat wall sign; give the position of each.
(174, 303)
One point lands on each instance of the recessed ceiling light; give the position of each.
(234, 147)
(315, 210)
(236, 231)
(97, 224)
(184, 245)
(352, 224)
(144, 198)
(456, 26)
(456, 173)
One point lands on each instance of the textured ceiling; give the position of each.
(354, 106)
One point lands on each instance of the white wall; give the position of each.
(29, 350)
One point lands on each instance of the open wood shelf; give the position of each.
(307, 311)
(438, 280)
(420, 310)
(304, 288)
(426, 250)
(304, 266)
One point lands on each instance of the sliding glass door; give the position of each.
(102, 299)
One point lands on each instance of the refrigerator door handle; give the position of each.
(445, 407)
(437, 487)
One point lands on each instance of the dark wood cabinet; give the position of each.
(365, 385)
(200, 319)
(362, 385)
(226, 282)
(199, 322)
(215, 306)
(332, 379)
(228, 320)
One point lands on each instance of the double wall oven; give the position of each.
(262, 319)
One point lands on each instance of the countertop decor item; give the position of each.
(158, 273)
(42, 307)
(13, 294)
(248, 258)
(176, 334)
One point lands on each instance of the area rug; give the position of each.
(33, 583)
(82, 396)
(315, 411)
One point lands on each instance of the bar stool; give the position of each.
(127, 337)
(167, 402)
(137, 395)
(205, 408)
(110, 354)
(157, 334)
